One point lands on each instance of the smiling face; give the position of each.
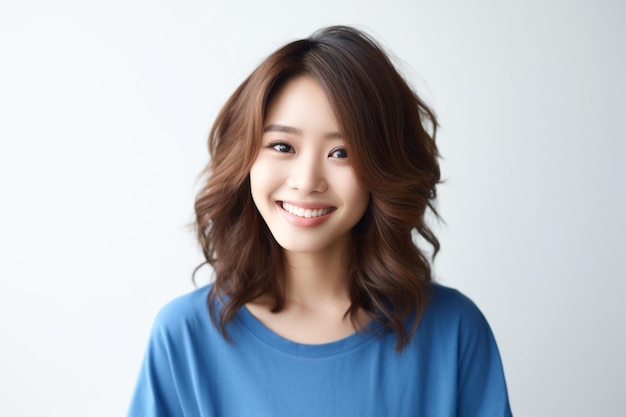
(302, 181)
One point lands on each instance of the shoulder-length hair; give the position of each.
(389, 134)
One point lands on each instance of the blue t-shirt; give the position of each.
(450, 368)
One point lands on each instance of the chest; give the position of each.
(367, 381)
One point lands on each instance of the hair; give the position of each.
(389, 133)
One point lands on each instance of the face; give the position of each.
(302, 181)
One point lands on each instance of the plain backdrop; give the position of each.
(106, 107)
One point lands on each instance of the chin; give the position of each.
(311, 246)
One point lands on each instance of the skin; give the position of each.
(303, 165)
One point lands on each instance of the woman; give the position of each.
(322, 168)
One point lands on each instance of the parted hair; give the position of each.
(389, 133)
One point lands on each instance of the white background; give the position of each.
(106, 107)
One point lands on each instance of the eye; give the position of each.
(281, 147)
(339, 153)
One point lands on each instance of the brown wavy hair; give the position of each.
(389, 133)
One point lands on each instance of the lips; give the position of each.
(305, 212)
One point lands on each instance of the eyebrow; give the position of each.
(295, 131)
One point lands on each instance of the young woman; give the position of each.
(323, 164)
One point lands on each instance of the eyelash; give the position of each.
(342, 150)
(277, 145)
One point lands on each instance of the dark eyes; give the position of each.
(339, 153)
(283, 147)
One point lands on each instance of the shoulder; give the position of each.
(177, 342)
(450, 303)
(190, 309)
(451, 312)
(458, 330)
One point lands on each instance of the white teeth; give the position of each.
(307, 213)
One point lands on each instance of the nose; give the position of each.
(307, 175)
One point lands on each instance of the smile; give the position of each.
(305, 212)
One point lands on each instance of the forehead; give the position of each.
(300, 103)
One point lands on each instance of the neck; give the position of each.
(316, 278)
(316, 299)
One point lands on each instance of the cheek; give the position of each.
(263, 180)
(256, 182)
(362, 198)
(355, 193)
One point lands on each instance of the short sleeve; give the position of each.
(156, 393)
(481, 384)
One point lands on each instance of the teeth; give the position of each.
(307, 213)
